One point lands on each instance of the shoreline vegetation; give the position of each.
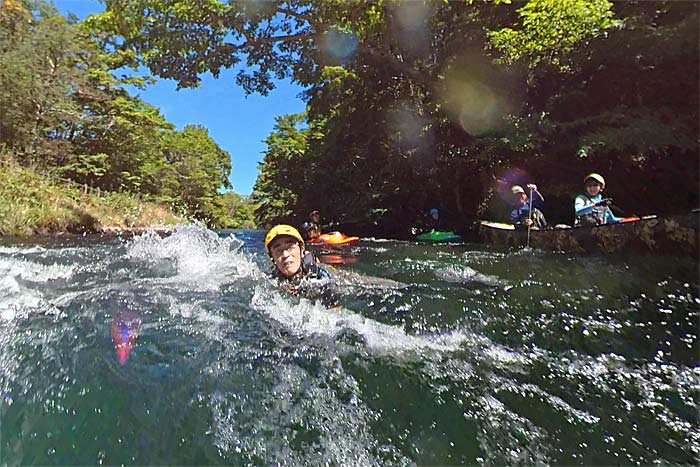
(81, 153)
(33, 204)
(485, 96)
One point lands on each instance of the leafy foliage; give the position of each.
(551, 29)
(411, 105)
(65, 111)
(240, 211)
(282, 174)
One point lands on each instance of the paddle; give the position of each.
(529, 216)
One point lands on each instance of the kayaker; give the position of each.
(313, 228)
(431, 222)
(295, 269)
(523, 212)
(590, 207)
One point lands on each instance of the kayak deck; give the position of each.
(439, 236)
(333, 238)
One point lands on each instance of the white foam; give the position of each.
(21, 251)
(200, 256)
(35, 272)
(465, 274)
(307, 318)
(381, 240)
(17, 300)
(477, 255)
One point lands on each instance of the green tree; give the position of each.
(200, 167)
(240, 211)
(64, 110)
(38, 57)
(282, 175)
(415, 104)
(624, 103)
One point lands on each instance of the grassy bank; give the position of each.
(31, 204)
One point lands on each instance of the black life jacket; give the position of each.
(312, 281)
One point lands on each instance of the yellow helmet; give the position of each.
(282, 229)
(597, 177)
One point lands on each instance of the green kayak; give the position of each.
(439, 236)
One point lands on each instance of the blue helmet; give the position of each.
(434, 211)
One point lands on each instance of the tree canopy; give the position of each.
(419, 104)
(65, 111)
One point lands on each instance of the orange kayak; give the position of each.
(334, 238)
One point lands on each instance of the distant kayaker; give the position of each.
(295, 269)
(590, 207)
(433, 220)
(430, 222)
(313, 228)
(525, 213)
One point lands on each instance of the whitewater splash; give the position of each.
(195, 255)
(202, 260)
(20, 278)
(466, 275)
(311, 318)
(438, 364)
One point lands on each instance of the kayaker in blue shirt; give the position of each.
(523, 213)
(590, 207)
(433, 220)
(430, 222)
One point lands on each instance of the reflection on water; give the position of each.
(330, 254)
(438, 355)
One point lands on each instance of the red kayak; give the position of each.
(333, 238)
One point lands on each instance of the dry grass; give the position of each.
(30, 204)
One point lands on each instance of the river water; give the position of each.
(181, 350)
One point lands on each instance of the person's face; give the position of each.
(593, 187)
(286, 254)
(315, 217)
(521, 199)
(435, 215)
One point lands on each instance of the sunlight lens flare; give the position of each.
(338, 46)
(412, 15)
(125, 329)
(504, 182)
(412, 24)
(408, 129)
(476, 95)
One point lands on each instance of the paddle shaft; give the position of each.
(529, 216)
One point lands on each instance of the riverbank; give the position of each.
(31, 204)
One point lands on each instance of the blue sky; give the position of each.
(236, 122)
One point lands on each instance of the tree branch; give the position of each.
(288, 12)
(267, 40)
